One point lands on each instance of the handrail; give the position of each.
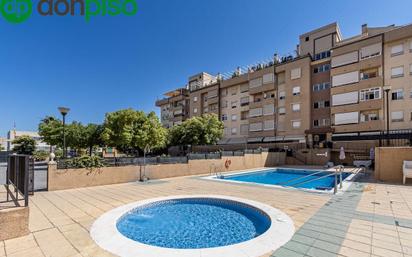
(290, 180)
(311, 180)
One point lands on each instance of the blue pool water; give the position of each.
(193, 223)
(289, 177)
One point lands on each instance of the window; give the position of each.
(322, 55)
(244, 129)
(244, 115)
(234, 117)
(345, 98)
(234, 91)
(255, 83)
(268, 95)
(321, 104)
(255, 112)
(295, 73)
(397, 116)
(370, 94)
(345, 59)
(244, 101)
(366, 116)
(282, 110)
(234, 131)
(296, 124)
(282, 95)
(194, 110)
(268, 125)
(370, 51)
(296, 91)
(346, 118)
(296, 107)
(195, 99)
(224, 104)
(321, 68)
(321, 123)
(397, 94)
(268, 109)
(268, 78)
(397, 72)
(410, 69)
(244, 88)
(321, 86)
(306, 39)
(397, 50)
(224, 117)
(234, 104)
(256, 126)
(368, 74)
(345, 78)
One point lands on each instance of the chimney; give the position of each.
(364, 29)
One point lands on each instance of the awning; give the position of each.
(255, 139)
(223, 141)
(239, 140)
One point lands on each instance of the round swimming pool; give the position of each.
(199, 225)
(192, 223)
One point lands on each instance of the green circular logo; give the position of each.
(16, 11)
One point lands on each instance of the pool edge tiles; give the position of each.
(104, 232)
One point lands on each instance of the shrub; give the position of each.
(85, 161)
(40, 155)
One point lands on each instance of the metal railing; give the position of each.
(19, 178)
(338, 181)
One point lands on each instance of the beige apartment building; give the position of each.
(398, 76)
(331, 87)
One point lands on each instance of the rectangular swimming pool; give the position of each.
(298, 178)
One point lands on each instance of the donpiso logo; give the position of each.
(17, 11)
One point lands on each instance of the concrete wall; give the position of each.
(389, 161)
(14, 223)
(75, 178)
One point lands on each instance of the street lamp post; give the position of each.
(64, 111)
(387, 88)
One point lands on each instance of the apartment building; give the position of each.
(331, 87)
(174, 109)
(398, 76)
(318, 44)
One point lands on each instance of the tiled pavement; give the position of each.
(368, 220)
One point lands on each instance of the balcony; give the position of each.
(373, 125)
(161, 102)
(262, 88)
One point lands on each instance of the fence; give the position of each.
(139, 161)
(366, 140)
(19, 178)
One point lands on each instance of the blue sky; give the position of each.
(118, 62)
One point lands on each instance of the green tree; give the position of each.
(93, 136)
(75, 136)
(51, 131)
(130, 130)
(201, 130)
(24, 145)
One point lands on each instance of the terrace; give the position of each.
(369, 219)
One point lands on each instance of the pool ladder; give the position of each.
(338, 177)
(214, 170)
